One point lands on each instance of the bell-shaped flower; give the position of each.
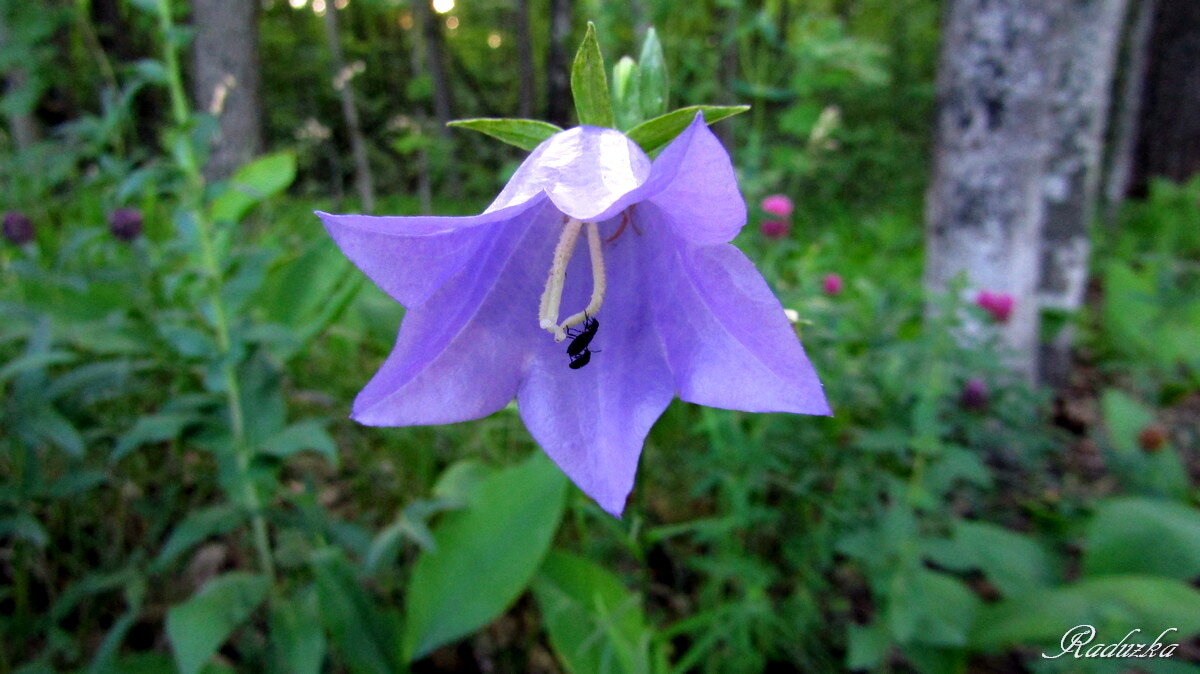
(592, 345)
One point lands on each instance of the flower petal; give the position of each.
(694, 183)
(460, 354)
(584, 170)
(727, 339)
(594, 420)
(411, 257)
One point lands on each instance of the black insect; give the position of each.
(580, 339)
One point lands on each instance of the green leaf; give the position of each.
(264, 177)
(33, 361)
(486, 555)
(151, 429)
(1112, 604)
(595, 624)
(867, 645)
(524, 133)
(932, 608)
(1143, 536)
(198, 526)
(198, 627)
(589, 83)
(24, 526)
(653, 83)
(1015, 563)
(58, 431)
(309, 434)
(657, 132)
(363, 635)
(296, 633)
(627, 104)
(1125, 418)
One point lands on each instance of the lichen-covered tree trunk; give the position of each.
(1086, 39)
(985, 204)
(227, 80)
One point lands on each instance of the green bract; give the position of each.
(636, 103)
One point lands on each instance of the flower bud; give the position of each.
(775, 229)
(778, 204)
(125, 223)
(974, 396)
(1152, 438)
(998, 305)
(18, 228)
(832, 284)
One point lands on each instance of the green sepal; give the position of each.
(524, 133)
(589, 83)
(652, 76)
(657, 132)
(627, 104)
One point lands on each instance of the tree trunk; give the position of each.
(343, 76)
(1169, 139)
(1086, 40)
(526, 82)
(430, 40)
(558, 64)
(985, 203)
(227, 81)
(1127, 108)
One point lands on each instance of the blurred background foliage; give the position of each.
(181, 489)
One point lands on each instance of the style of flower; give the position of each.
(999, 305)
(775, 229)
(832, 284)
(778, 204)
(675, 309)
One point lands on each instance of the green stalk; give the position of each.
(212, 268)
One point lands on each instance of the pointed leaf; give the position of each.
(1146, 536)
(262, 178)
(652, 75)
(594, 623)
(362, 634)
(524, 133)
(486, 554)
(589, 83)
(199, 626)
(296, 633)
(627, 103)
(657, 132)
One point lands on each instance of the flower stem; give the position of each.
(194, 202)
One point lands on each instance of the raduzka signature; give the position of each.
(1078, 642)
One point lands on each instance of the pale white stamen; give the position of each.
(598, 280)
(552, 295)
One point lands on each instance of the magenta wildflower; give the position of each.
(832, 284)
(778, 204)
(999, 305)
(681, 311)
(974, 395)
(18, 228)
(775, 229)
(125, 223)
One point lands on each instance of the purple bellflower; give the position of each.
(681, 311)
